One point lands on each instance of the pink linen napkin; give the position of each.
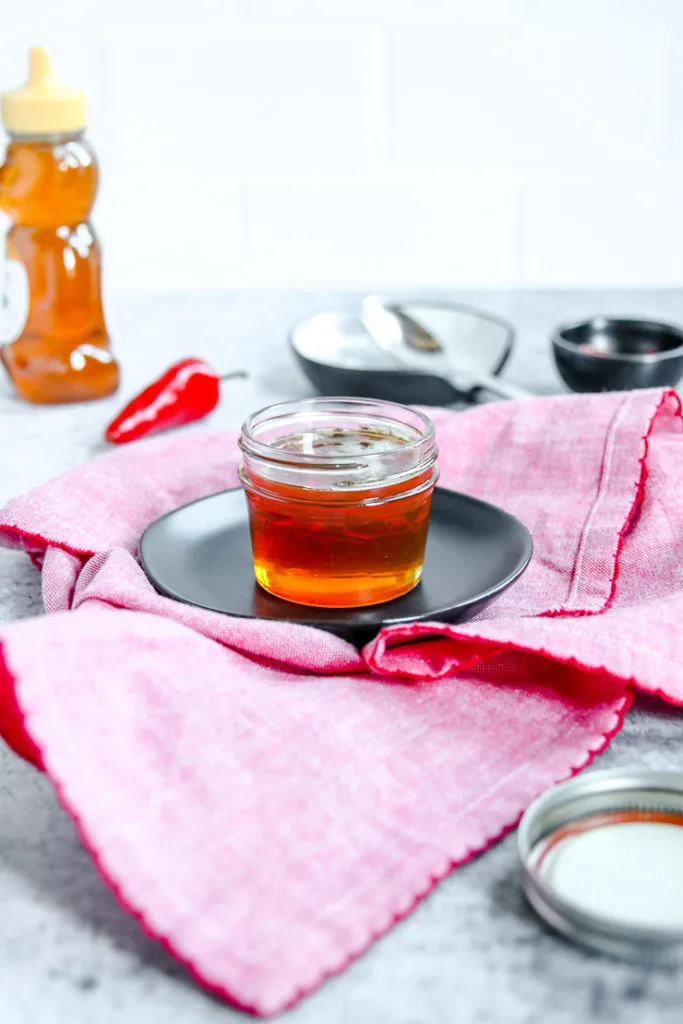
(266, 799)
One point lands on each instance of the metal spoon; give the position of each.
(412, 345)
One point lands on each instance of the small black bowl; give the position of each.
(615, 354)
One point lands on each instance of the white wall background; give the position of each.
(376, 143)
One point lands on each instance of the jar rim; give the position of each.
(269, 451)
(376, 497)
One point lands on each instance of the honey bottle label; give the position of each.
(14, 299)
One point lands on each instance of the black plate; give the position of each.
(201, 555)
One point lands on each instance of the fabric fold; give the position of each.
(268, 800)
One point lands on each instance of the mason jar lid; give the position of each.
(602, 859)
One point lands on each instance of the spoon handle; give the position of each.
(502, 388)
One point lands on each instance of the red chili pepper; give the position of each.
(188, 391)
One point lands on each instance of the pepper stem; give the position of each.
(234, 373)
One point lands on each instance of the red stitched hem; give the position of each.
(510, 646)
(655, 691)
(378, 649)
(640, 490)
(42, 543)
(12, 722)
(637, 502)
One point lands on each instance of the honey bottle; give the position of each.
(54, 342)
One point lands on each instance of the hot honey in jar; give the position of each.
(339, 494)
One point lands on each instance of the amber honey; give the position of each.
(47, 189)
(339, 500)
(53, 340)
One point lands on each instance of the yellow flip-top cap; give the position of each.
(43, 106)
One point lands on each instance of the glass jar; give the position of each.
(339, 493)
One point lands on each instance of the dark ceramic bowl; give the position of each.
(615, 354)
(338, 356)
